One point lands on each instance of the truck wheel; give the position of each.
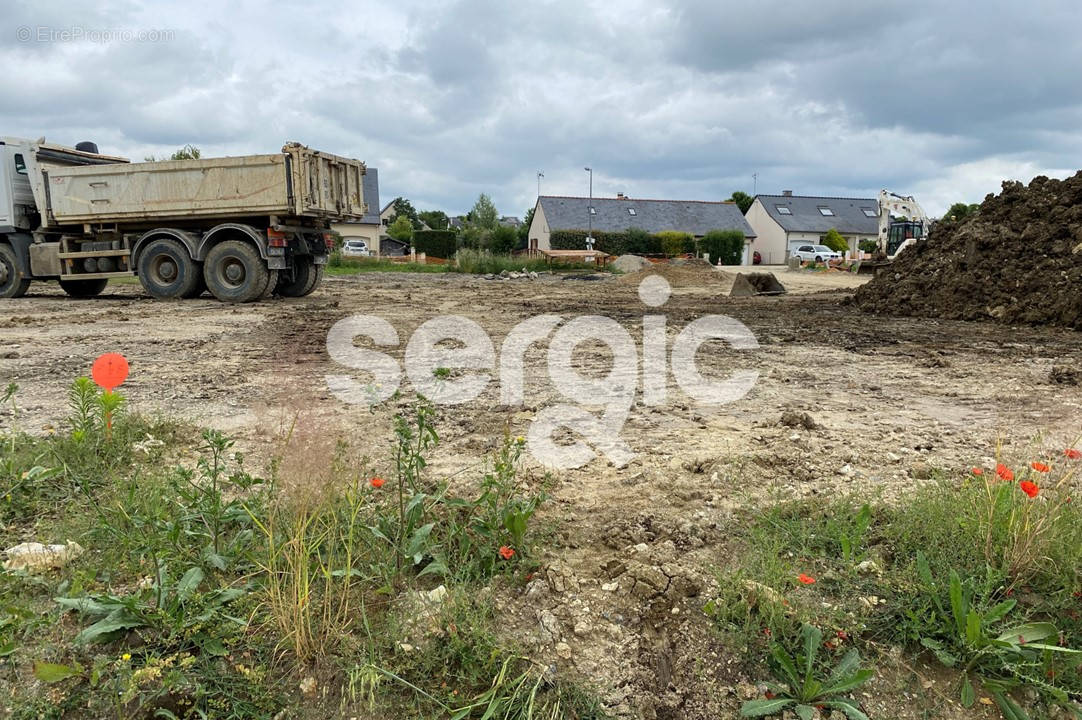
(12, 283)
(306, 276)
(167, 271)
(84, 288)
(272, 284)
(235, 273)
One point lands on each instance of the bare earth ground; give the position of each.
(634, 560)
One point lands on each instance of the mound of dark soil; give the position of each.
(1018, 261)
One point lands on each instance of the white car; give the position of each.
(817, 253)
(355, 248)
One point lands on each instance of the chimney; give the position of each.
(787, 193)
(621, 196)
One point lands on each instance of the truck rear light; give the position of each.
(276, 238)
(328, 240)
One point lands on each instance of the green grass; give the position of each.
(356, 266)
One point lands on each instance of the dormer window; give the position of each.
(824, 210)
(631, 211)
(783, 209)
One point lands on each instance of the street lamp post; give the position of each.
(590, 213)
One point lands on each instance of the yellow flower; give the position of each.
(520, 439)
(126, 656)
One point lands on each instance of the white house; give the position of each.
(784, 221)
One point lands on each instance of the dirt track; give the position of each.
(893, 398)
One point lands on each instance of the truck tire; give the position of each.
(12, 282)
(235, 273)
(83, 288)
(306, 277)
(167, 271)
(272, 284)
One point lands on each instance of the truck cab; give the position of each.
(17, 209)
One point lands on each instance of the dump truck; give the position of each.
(243, 228)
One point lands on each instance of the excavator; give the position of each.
(902, 222)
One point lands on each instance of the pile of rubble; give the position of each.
(524, 274)
(1018, 260)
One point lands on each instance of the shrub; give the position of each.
(675, 243)
(724, 246)
(502, 239)
(436, 243)
(640, 242)
(834, 240)
(480, 262)
(869, 246)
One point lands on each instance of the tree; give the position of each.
(742, 199)
(435, 219)
(484, 214)
(524, 228)
(502, 239)
(188, 152)
(960, 211)
(401, 229)
(403, 207)
(834, 240)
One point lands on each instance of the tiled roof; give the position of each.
(618, 214)
(805, 214)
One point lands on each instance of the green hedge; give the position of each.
(726, 245)
(633, 242)
(437, 243)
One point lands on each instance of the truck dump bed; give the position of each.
(299, 182)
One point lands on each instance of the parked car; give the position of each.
(356, 248)
(818, 253)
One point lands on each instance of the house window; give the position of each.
(783, 209)
(20, 164)
(824, 210)
(869, 212)
(593, 211)
(631, 211)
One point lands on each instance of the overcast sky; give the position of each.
(686, 100)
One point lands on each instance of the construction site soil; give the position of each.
(636, 548)
(1017, 261)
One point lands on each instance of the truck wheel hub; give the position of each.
(4, 273)
(234, 272)
(167, 270)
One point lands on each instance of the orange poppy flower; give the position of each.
(377, 482)
(1039, 466)
(978, 471)
(506, 553)
(1029, 488)
(1004, 472)
(805, 579)
(1072, 453)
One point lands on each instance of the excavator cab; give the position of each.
(901, 231)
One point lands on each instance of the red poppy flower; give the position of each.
(1039, 466)
(1004, 472)
(978, 471)
(506, 553)
(842, 635)
(377, 482)
(1029, 488)
(1072, 453)
(805, 579)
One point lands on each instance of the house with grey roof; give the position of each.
(368, 228)
(784, 222)
(618, 214)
